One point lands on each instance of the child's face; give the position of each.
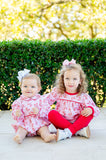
(29, 87)
(72, 80)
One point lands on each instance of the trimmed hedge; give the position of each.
(45, 58)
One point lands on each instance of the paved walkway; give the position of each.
(34, 148)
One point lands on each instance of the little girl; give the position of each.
(31, 118)
(74, 108)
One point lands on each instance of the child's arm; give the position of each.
(17, 113)
(45, 101)
(86, 112)
(43, 107)
(52, 96)
(90, 107)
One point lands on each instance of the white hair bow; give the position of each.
(22, 74)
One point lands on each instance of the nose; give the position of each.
(71, 81)
(28, 88)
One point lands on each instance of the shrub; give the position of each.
(45, 59)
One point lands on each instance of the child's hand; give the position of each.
(86, 112)
(35, 110)
(18, 113)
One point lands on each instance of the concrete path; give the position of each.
(34, 148)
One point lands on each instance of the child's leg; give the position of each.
(45, 134)
(57, 119)
(84, 132)
(80, 123)
(20, 135)
(60, 122)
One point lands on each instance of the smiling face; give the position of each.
(29, 87)
(72, 80)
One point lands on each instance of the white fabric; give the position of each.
(63, 134)
(22, 74)
(52, 128)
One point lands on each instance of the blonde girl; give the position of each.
(30, 114)
(74, 108)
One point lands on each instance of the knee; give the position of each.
(51, 114)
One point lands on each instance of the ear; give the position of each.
(39, 88)
(80, 81)
(21, 87)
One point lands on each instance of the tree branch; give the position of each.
(81, 2)
(93, 31)
(59, 28)
(53, 3)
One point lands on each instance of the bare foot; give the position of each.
(50, 137)
(17, 139)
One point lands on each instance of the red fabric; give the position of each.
(60, 122)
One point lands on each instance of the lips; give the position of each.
(70, 86)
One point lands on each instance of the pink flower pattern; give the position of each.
(28, 120)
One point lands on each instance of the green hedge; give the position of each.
(46, 59)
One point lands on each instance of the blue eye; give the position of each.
(33, 86)
(75, 78)
(25, 86)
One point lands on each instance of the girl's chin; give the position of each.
(71, 91)
(29, 95)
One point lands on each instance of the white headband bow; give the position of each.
(22, 74)
(67, 62)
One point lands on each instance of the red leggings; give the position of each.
(60, 122)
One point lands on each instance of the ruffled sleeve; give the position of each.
(88, 102)
(45, 101)
(52, 96)
(16, 105)
(43, 105)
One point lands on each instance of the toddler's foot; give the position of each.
(50, 137)
(17, 139)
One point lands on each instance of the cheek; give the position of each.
(21, 89)
(65, 83)
(35, 90)
(78, 83)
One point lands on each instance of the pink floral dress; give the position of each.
(71, 105)
(28, 120)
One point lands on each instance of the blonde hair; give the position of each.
(82, 88)
(32, 76)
